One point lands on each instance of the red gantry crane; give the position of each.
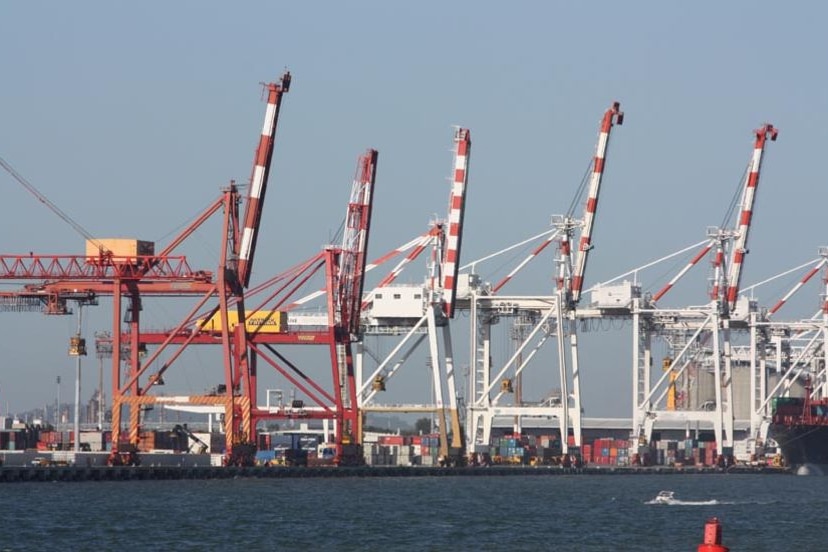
(346, 281)
(343, 268)
(131, 269)
(245, 345)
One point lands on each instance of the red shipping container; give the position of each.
(709, 456)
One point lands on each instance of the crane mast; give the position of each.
(748, 199)
(258, 180)
(457, 204)
(613, 115)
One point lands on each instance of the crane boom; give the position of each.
(258, 180)
(355, 242)
(739, 249)
(457, 205)
(612, 115)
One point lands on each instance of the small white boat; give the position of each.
(664, 497)
(667, 497)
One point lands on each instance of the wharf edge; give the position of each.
(11, 474)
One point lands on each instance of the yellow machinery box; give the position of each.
(120, 247)
(257, 321)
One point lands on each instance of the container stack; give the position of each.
(689, 452)
(610, 452)
(18, 439)
(429, 450)
(527, 449)
(390, 450)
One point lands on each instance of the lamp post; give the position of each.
(57, 405)
(77, 349)
(103, 349)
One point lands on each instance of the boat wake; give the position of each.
(812, 469)
(667, 498)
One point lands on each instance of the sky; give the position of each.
(131, 117)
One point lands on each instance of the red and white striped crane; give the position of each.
(447, 237)
(612, 115)
(345, 271)
(737, 253)
(730, 285)
(570, 278)
(355, 243)
(258, 180)
(454, 234)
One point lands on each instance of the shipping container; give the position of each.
(391, 440)
(92, 439)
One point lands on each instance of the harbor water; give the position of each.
(568, 512)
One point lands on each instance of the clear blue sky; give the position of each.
(131, 116)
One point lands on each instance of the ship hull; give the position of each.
(802, 444)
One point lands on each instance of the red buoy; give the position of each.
(712, 537)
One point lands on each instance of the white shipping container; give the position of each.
(94, 439)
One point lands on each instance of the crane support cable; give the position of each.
(635, 271)
(43, 199)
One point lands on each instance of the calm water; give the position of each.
(573, 513)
